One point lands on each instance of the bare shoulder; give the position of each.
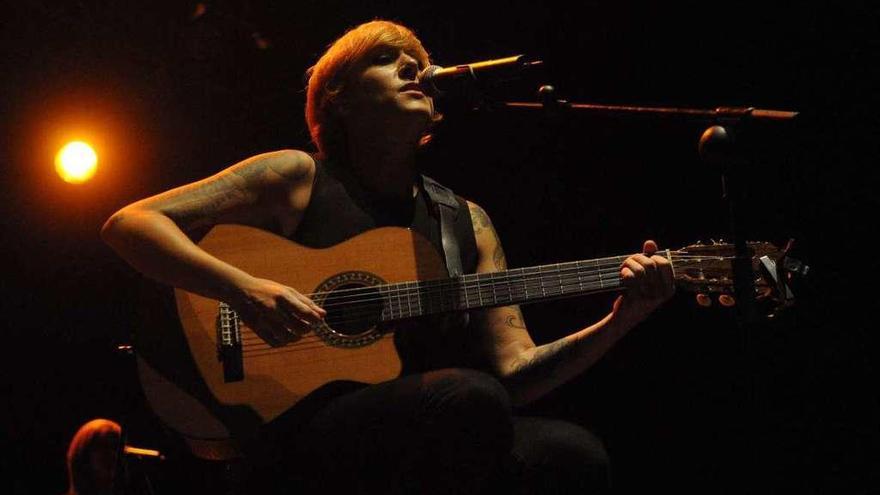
(284, 166)
(250, 192)
(479, 219)
(489, 251)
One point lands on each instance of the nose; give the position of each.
(409, 68)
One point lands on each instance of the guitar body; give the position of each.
(189, 390)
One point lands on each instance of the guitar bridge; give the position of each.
(229, 343)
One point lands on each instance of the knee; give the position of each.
(573, 455)
(469, 392)
(469, 403)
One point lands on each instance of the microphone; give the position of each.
(435, 80)
(139, 452)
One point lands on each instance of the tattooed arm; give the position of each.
(153, 235)
(530, 371)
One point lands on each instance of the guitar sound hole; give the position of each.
(353, 312)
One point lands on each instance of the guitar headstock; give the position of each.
(708, 271)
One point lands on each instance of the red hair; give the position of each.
(97, 434)
(328, 77)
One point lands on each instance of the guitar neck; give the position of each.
(503, 288)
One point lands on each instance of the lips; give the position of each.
(413, 86)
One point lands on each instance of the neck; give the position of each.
(384, 162)
(382, 154)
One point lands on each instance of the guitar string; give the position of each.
(294, 347)
(318, 340)
(464, 281)
(468, 282)
(435, 301)
(474, 278)
(566, 282)
(525, 282)
(466, 287)
(471, 290)
(301, 344)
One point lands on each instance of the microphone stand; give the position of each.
(717, 147)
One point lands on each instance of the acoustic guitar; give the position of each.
(212, 379)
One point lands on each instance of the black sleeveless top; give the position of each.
(340, 208)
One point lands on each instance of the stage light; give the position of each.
(76, 162)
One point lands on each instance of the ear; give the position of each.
(341, 106)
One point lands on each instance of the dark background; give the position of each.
(688, 400)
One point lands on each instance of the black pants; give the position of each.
(447, 432)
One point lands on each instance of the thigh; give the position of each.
(558, 456)
(439, 426)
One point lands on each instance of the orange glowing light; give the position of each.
(76, 162)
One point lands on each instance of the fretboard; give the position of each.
(485, 290)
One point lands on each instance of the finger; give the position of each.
(667, 276)
(268, 325)
(646, 279)
(303, 307)
(299, 312)
(267, 332)
(317, 310)
(652, 284)
(631, 274)
(283, 327)
(291, 325)
(649, 247)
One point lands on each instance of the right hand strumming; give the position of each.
(276, 312)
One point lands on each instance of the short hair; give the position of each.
(327, 78)
(97, 434)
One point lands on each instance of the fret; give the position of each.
(509, 288)
(525, 274)
(391, 305)
(408, 299)
(559, 279)
(467, 300)
(520, 280)
(438, 296)
(492, 284)
(479, 291)
(445, 302)
(455, 293)
(435, 297)
(579, 272)
(418, 294)
(388, 302)
(599, 271)
(541, 280)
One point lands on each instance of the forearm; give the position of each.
(538, 370)
(154, 245)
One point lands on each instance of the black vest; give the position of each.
(340, 208)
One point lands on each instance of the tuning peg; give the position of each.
(704, 300)
(726, 300)
(763, 293)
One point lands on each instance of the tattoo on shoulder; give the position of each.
(251, 171)
(260, 169)
(481, 223)
(201, 204)
(479, 219)
(498, 256)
